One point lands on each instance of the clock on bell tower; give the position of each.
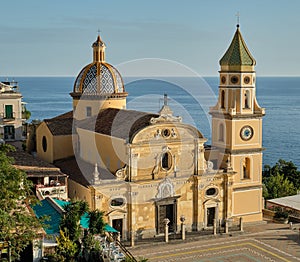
(237, 128)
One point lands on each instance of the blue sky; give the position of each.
(54, 37)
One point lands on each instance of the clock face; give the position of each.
(246, 133)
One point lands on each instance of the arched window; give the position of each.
(246, 168)
(247, 99)
(166, 161)
(221, 132)
(222, 99)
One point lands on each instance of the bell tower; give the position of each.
(237, 129)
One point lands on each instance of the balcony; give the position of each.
(9, 87)
(57, 191)
(8, 117)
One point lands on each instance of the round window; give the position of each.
(166, 132)
(223, 79)
(246, 79)
(234, 79)
(44, 143)
(211, 191)
(116, 202)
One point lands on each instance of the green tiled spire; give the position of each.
(237, 55)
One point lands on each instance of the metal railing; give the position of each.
(125, 250)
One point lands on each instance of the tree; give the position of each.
(18, 227)
(71, 233)
(66, 248)
(278, 186)
(91, 246)
(287, 168)
(96, 222)
(70, 223)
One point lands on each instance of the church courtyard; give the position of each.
(267, 242)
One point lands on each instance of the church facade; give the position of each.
(140, 168)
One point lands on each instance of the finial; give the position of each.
(99, 31)
(238, 19)
(96, 175)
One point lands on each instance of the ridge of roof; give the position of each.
(110, 121)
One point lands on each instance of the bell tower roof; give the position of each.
(237, 57)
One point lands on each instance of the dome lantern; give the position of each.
(99, 50)
(100, 81)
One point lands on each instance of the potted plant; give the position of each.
(281, 216)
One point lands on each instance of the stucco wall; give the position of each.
(77, 191)
(43, 131)
(62, 146)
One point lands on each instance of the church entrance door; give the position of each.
(211, 212)
(166, 208)
(118, 225)
(166, 211)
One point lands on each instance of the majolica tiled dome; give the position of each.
(99, 77)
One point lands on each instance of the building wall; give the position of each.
(78, 191)
(13, 99)
(232, 129)
(183, 144)
(248, 204)
(154, 186)
(44, 134)
(62, 147)
(142, 198)
(108, 152)
(51, 148)
(96, 105)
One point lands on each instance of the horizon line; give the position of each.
(14, 76)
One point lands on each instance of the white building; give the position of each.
(12, 113)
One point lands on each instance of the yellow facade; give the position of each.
(158, 166)
(237, 130)
(83, 107)
(43, 133)
(52, 147)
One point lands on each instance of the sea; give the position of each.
(188, 97)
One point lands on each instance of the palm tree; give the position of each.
(70, 223)
(96, 222)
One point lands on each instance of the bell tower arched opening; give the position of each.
(246, 168)
(222, 99)
(247, 99)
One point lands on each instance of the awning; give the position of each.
(108, 228)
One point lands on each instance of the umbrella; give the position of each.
(110, 229)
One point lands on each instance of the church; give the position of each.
(140, 168)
